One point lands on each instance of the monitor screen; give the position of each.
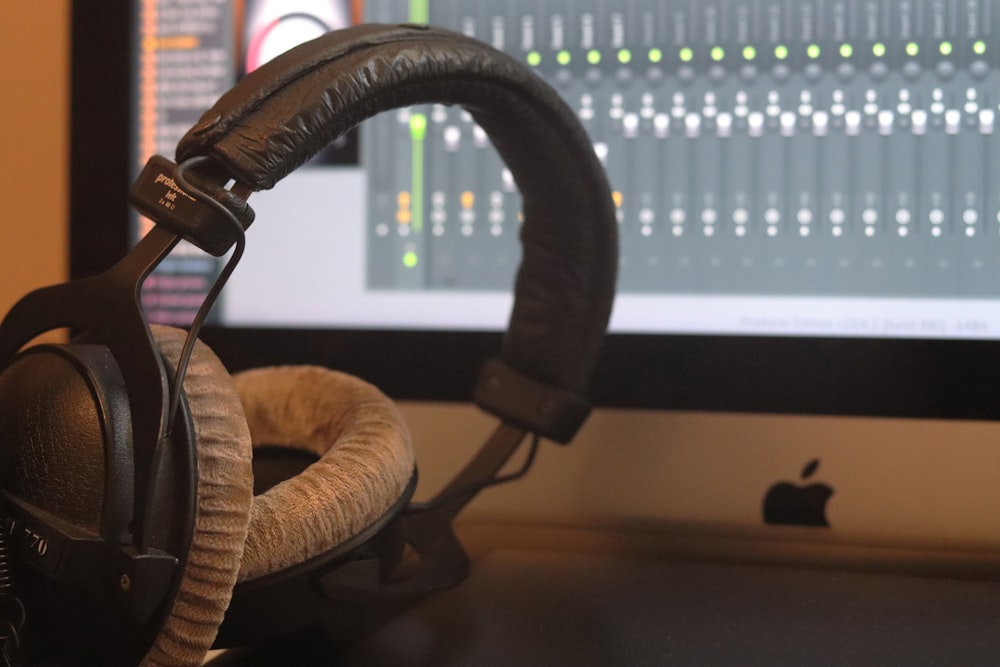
(807, 192)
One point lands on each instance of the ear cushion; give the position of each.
(366, 462)
(224, 494)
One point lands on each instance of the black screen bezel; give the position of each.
(923, 378)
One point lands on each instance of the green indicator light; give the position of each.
(410, 259)
(812, 51)
(534, 58)
(878, 49)
(418, 130)
(686, 54)
(945, 48)
(846, 50)
(655, 55)
(624, 56)
(749, 52)
(912, 49)
(979, 48)
(781, 52)
(717, 53)
(563, 57)
(594, 57)
(418, 126)
(419, 11)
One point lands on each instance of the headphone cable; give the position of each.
(213, 293)
(184, 359)
(12, 612)
(461, 493)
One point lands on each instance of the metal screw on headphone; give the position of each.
(546, 407)
(125, 583)
(492, 382)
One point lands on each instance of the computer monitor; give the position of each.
(808, 195)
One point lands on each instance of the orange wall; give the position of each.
(34, 78)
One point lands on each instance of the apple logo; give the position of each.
(791, 504)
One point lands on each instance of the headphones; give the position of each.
(133, 532)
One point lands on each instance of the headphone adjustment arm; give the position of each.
(159, 194)
(552, 412)
(427, 528)
(443, 564)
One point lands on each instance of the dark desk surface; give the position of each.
(526, 608)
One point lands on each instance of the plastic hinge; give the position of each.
(550, 412)
(158, 195)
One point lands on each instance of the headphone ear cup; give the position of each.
(222, 513)
(365, 463)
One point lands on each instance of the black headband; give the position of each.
(284, 113)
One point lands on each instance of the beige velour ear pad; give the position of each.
(366, 461)
(224, 493)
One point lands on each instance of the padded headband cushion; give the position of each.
(366, 462)
(224, 493)
(289, 109)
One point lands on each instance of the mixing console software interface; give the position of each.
(801, 163)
